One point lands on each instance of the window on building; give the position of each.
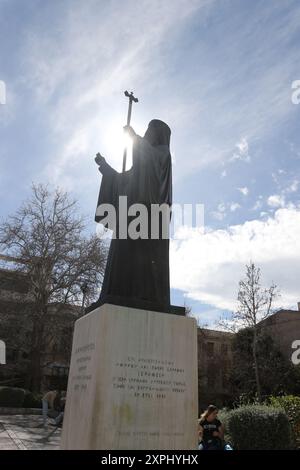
(224, 349)
(12, 355)
(210, 349)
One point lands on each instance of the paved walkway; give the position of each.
(26, 432)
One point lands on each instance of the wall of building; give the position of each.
(214, 365)
(15, 329)
(284, 327)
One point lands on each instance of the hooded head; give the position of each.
(158, 133)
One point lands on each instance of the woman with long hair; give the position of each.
(211, 431)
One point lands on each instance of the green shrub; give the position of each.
(223, 416)
(32, 400)
(258, 427)
(291, 406)
(11, 397)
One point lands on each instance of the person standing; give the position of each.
(211, 431)
(48, 402)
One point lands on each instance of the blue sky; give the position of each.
(218, 72)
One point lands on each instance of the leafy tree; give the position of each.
(277, 375)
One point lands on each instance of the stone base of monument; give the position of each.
(132, 382)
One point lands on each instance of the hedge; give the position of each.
(257, 427)
(12, 397)
(291, 405)
(32, 400)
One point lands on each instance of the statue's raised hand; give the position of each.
(99, 159)
(130, 131)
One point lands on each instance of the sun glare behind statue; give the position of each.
(117, 140)
(127, 143)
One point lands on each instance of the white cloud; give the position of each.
(293, 187)
(276, 200)
(208, 267)
(258, 204)
(234, 206)
(220, 213)
(242, 152)
(243, 146)
(244, 190)
(276, 175)
(279, 200)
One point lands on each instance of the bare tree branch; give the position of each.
(46, 234)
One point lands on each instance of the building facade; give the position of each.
(214, 366)
(284, 327)
(16, 306)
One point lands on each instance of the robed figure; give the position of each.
(137, 270)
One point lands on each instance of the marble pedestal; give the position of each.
(132, 382)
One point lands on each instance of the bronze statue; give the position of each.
(137, 270)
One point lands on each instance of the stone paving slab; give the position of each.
(6, 442)
(26, 432)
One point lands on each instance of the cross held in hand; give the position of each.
(131, 99)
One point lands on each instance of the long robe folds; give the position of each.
(137, 270)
